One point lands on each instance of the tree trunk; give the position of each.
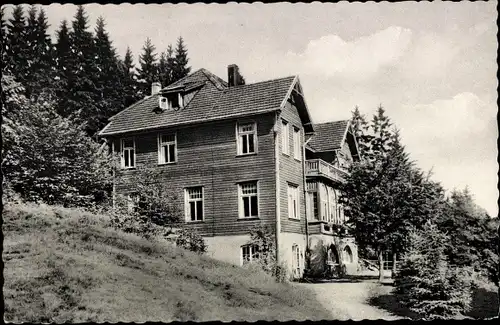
(394, 266)
(380, 265)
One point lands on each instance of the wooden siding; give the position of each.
(206, 156)
(291, 171)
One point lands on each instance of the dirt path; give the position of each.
(348, 300)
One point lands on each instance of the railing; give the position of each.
(319, 167)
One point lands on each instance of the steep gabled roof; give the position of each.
(212, 100)
(329, 136)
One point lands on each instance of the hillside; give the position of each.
(69, 265)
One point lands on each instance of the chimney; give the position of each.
(155, 88)
(232, 75)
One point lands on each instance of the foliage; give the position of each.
(48, 158)
(147, 73)
(181, 68)
(472, 232)
(263, 237)
(153, 200)
(428, 285)
(189, 239)
(386, 195)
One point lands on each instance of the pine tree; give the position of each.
(108, 80)
(83, 92)
(165, 67)
(128, 79)
(427, 284)
(147, 73)
(17, 47)
(181, 68)
(63, 64)
(360, 128)
(379, 142)
(41, 54)
(5, 37)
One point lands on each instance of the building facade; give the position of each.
(237, 158)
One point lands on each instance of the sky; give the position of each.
(431, 65)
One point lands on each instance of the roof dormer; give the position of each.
(171, 101)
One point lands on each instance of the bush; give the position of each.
(152, 198)
(48, 158)
(427, 284)
(189, 239)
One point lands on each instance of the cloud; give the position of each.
(457, 138)
(331, 56)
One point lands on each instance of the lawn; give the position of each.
(68, 265)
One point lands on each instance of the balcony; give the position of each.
(319, 167)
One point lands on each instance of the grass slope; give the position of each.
(69, 265)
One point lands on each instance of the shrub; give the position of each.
(154, 200)
(189, 239)
(48, 158)
(427, 284)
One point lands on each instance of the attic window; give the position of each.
(171, 101)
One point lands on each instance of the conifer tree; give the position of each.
(63, 64)
(108, 82)
(83, 91)
(170, 65)
(162, 70)
(5, 37)
(360, 128)
(147, 73)
(428, 284)
(128, 79)
(40, 55)
(17, 47)
(181, 68)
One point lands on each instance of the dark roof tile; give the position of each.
(328, 136)
(214, 100)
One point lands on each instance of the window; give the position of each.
(296, 260)
(313, 205)
(194, 204)
(333, 206)
(167, 144)
(296, 144)
(293, 202)
(249, 253)
(174, 100)
(128, 153)
(324, 202)
(247, 135)
(285, 145)
(248, 198)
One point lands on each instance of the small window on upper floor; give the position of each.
(285, 145)
(128, 153)
(171, 101)
(297, 152)
(246, 138)
(167, 148)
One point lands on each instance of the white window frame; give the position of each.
(253, 255)
(296, 260)
(161, 153)
(296, 144)
(241, 206)
(127, 149)
(285, 137)
(180, 100)
(293, 202)
(240, 136)
(188, 200)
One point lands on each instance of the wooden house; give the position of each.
(240, 156)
